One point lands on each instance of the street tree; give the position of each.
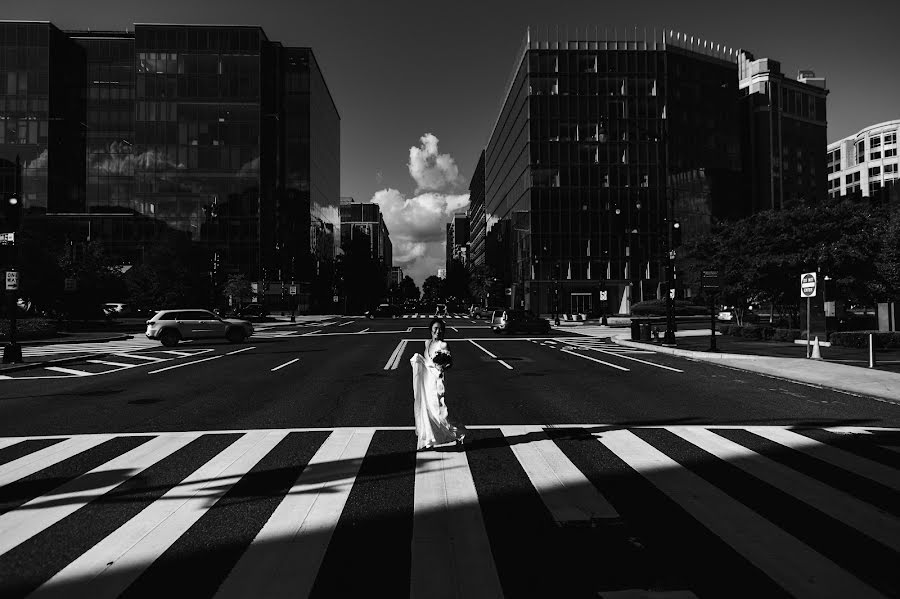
(433, 290)
(481, 283)
(237, 289)
(408, 289)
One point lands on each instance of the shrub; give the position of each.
(785, 334)
(860, 339)
(751, 332)
(29, 328)
(657, 307)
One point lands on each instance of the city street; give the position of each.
(286, 465)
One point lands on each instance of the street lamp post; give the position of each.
(670, 283)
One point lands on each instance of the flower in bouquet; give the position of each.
(442, 359)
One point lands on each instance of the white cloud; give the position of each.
(418, 227)
(433, 171)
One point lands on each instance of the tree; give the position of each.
(98, 279)
(482, 280)
(237, 287)
(888, 263)
(408, 289)
(433, 290)
(762, 257)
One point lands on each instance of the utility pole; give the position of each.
(12, 208)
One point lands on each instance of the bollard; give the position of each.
(871, 350)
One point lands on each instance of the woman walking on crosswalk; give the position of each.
(432, 425)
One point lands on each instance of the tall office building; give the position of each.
(457, 247)
(476, 216)
(602, 144)
(784, 134)
(211, 138)
(866, 162)
(364, 222)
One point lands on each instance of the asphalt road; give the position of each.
(287, 466)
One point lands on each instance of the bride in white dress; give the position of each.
(432, 426)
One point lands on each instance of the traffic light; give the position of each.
(11, 216)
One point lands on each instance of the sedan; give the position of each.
(514, 321)
(385, 311)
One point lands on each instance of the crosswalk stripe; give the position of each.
(451, 553)
(837, 504)
(454, 541)
(285, 555)
(565, 490)
(108, 363)
(837, 457)
(571, 353)
(798, 569)
(21, 524)
(125, 554)
(37, 461)
(140, 357)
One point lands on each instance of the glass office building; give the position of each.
(600, 145)
(211, 138)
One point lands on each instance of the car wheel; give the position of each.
(169, 338)
(235, 335)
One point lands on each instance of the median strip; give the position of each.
(285, 364)
(185, 364)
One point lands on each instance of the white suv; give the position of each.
(172, 326)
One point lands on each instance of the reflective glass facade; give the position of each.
(598, 143)
(212, 135)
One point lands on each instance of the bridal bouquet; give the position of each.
(442, 359)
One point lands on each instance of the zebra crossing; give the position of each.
(559, 510)
(108, 361)
(592, 343)
(130, 345)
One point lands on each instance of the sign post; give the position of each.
(712, 282)
(808, 290)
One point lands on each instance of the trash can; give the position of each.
(645, 332)
(635, 330)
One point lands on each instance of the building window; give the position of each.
(851, 178)
(860, 151)
(890, 138)
(890, 169)
(875, 155)
(889, 152)
(875, 141)
(874, 171)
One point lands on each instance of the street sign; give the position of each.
(808, 284)
(12, 280)
(672, 293)
(70, 285)
(509, 291)
(710, 280)
(334, 299)
(7, 238)
(292, 289)
(604, 295)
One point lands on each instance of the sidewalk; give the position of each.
(843, 369)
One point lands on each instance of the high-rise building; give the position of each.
(396, 275)
(364, 222)
(603, 144)
(458, 239)
(476, 215)
(784, 134)
(210, 138)
(865, 162)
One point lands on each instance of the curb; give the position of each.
(685, 353)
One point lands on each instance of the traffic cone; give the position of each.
(815, 350)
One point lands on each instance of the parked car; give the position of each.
(252, 310)
(384, 311)
(116, 309)
(172, 326)
(515, 321)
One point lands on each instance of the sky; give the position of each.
(418, 85)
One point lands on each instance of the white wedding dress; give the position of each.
(432, 426)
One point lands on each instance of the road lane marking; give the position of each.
(67, 371)
(482, 349)
(142, 357)
(362, 331)
(565, 351)
(343, 324)
(394, 360)
(185, 364)
(455, 329)
(288, 363)
(490, 354)
(312, 333)
(107, 363)
(175, 353)
(237, 351)
(603, 351)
